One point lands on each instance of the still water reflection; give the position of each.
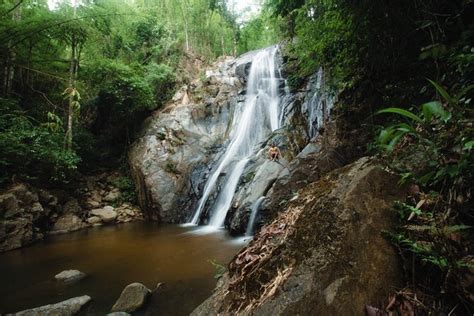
(113, 257)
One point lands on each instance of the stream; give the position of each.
(113, 257)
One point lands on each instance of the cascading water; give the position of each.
(253, 121)
(320, 104)
(253, 215)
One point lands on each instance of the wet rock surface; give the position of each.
(66, 308)
(132, 298)
(322, 255)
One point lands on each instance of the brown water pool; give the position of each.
(113, 257)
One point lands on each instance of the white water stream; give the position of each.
(253, 216)
(253, 122)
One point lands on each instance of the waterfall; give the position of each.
(254, 120)
(319, 105)
(253, 215)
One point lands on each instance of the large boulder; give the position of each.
(324, 254)
(132, 298)
(66, 308)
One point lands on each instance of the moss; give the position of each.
(171, 167)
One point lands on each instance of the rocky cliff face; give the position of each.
(323, 254)
(175, 153)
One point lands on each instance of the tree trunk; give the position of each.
(72, 87)
(186, 30)
(9, 70)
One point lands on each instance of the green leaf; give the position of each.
(442, 92)
(402, 112)
(455, 228)
(468, 145)
(435, 108)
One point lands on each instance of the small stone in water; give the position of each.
(70, 275)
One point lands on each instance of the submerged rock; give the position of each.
(132, 298)
(64, 308)
(70, 275)
(324, 254)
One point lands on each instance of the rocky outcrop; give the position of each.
(70, 276)
(28, 214)
(132, 298)
(324, 254)
(66, 308)
(24, 215)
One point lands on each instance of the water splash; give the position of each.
(253, 121)
(253, 215)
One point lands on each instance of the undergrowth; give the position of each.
(431, 147)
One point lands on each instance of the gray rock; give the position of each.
(8, 205)
(17, 233)
(92, 203)
(106, 214)
(112, 196)
(22, 210)
(132, 298)
(65, 308)
(70, 275)
(72, 206)
(94, 220)
(118, 314)
(243, 63)
(67, 223)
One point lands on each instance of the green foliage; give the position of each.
(431, 147)
(162, 78)
(261, 31)
(31, 150)
(439, 134)
(324, 37)
(171, 167)
(127, 189)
